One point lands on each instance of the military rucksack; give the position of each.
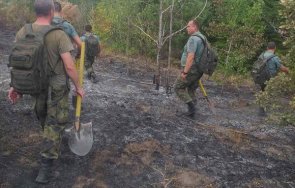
(260, 72)
(91, 45)
(29, 61)
(209, 59)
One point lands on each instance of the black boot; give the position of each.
(261, 112)
(191, 109)
(88, 76)
(44, 171)
(93, 78)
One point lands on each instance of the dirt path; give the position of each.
(140, 142)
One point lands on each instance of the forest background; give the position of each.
(238, 29)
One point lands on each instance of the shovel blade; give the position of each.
(80, 142)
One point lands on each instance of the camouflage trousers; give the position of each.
(186, 89)
(52, 110)
(88, 65)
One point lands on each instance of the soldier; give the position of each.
(51, 105)
(67, 27)
(273, 66)
(187, 81)
(92, 51)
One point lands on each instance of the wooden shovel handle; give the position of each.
(81, 73)
(202, 88)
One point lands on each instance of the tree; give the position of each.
(238, 32)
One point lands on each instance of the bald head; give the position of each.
(43, 7)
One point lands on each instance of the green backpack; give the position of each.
(209, 59)
(91, 45)
(28, 61)
(260, 72)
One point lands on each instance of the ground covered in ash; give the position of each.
(140, 142)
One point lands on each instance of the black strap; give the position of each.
(203, 40)
(204, 43)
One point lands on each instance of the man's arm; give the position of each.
(191, 50)
(189, 62)
(72, 72)
(284, 69)
(78, 41)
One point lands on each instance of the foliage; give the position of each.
(237, 29)
(16, 12)
(116, 20)
(279, 96)
(85, 8)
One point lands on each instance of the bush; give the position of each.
(16, 13)
(279, 96)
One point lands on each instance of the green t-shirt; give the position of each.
(274, 64)
(195, 45)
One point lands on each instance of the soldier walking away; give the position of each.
(71, 32)
(187, 81)
(267, 66)
(67, 26)
(51, 102)
(93, 49)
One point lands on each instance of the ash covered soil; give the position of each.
(140, 142)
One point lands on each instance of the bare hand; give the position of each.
(80, 91)
(13, 96)
(183, 76)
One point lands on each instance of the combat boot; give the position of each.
(88, 76)
(94, 78)
(191, 109)
(261, 112)
(44, 171)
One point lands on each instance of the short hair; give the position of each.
(57, 6)
(43, 7)
(271, 45)
(196, 23)
(88, 28)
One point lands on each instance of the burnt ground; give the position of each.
(140, 142)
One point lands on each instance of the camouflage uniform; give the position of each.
(53, 113)
(51, 106)
(88, 65)
(186, 89)
(89, 60)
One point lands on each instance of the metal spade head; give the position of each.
(81, 141)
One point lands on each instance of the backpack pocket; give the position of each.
(24, 81)
(20, 62)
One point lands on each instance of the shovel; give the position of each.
(80, 135)
(211, 106)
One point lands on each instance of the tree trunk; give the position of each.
(159, 47)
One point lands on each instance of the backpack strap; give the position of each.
(205, 43)
(47, 30)
(28, 28)
(203, 40)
